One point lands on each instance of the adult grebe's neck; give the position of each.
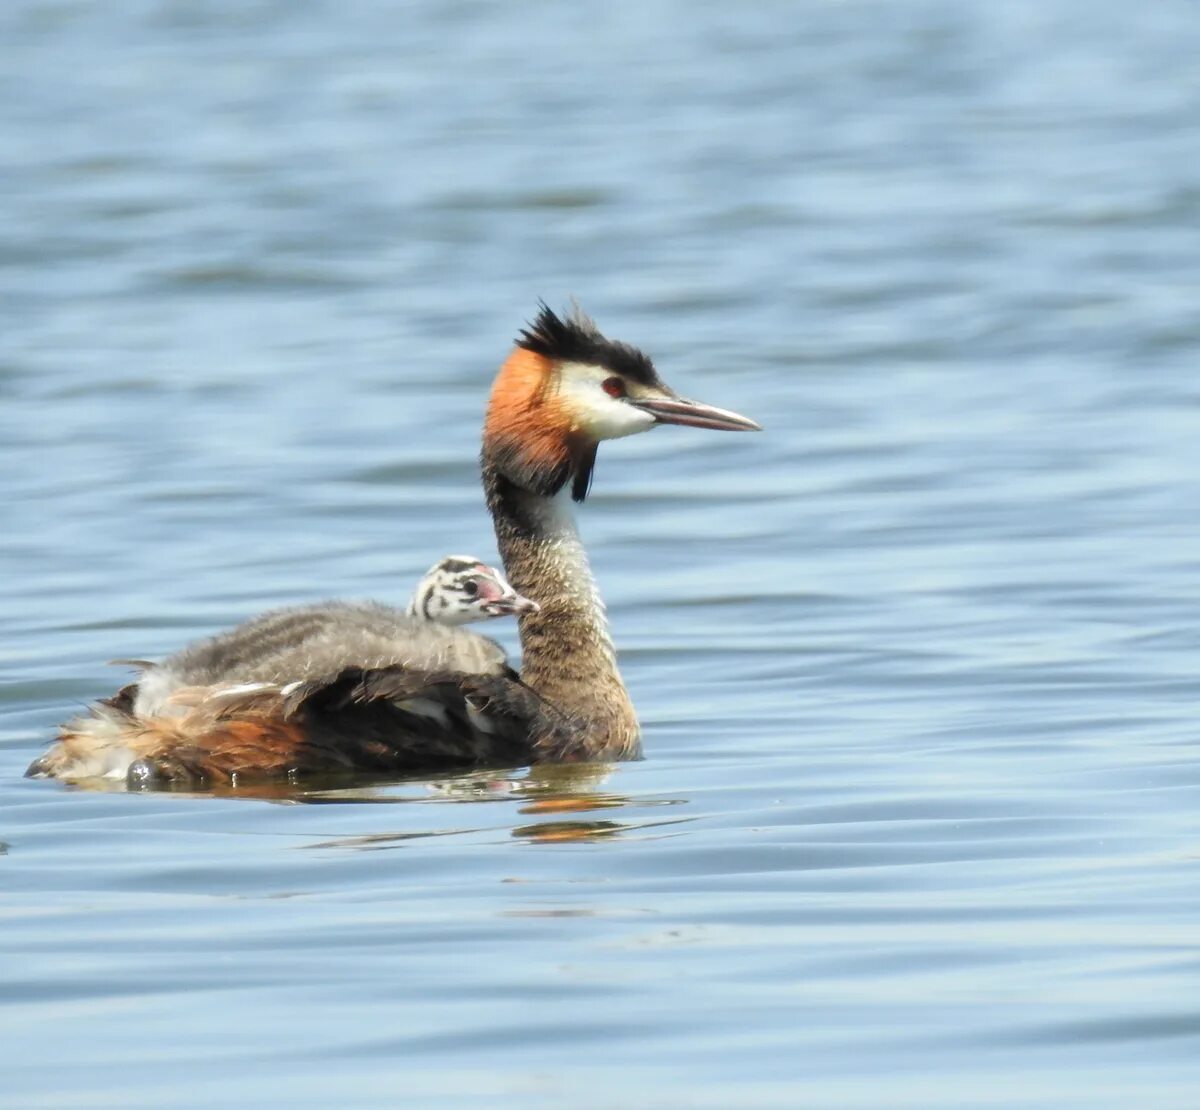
(567, 653)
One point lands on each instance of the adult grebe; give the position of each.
(345, 687)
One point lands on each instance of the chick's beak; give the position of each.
(694, 414)
(513, 603)
(499, 598)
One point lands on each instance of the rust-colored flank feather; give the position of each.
(217, 751)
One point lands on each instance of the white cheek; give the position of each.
(594, 410)
(615, 419)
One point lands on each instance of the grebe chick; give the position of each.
(344, 687)
(459, 589)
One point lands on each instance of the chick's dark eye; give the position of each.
(614, 387)
(471, 588)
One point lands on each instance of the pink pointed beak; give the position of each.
(500, 599)
(694, 414)
(513, 603)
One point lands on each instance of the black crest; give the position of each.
(577, 339)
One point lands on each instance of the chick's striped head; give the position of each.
(459, 589)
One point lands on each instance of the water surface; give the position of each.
(917, 667)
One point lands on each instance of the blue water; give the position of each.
(919, 824)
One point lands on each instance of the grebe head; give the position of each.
(460, 589)
(566, 388)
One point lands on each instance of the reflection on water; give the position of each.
(919, 817)
(539, 791)
(552, 832)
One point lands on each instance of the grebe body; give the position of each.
(364, 687)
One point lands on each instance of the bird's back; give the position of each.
(307, 643)
(333, 687)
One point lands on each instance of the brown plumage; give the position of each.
(366, 688)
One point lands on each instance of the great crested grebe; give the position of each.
(343, 687)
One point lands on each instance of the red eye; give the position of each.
(614, 387)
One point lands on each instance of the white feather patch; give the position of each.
(244, 688)
(425, 707)
(480, 720)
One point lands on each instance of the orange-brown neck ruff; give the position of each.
(529, 435)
